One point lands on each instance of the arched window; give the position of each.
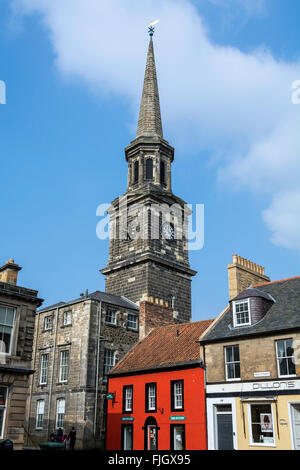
(162, 172)
(149, 169)
(136, 172)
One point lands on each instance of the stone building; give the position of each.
(148, 284)
(252, 364)
(148, 254)
(76, 344)
(17, 313)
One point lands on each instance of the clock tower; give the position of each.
(148, 253)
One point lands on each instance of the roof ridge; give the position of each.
(274, 282)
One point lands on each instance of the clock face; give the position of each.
(133, 229)
(168, 231)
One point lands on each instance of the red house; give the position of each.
(156, 396)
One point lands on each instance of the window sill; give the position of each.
(262, 445)
(114, 325)
(66, 326)
(47, 331)
(233, 380)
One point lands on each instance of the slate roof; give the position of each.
(253, 292)
(283, 315)
(112, 299)
(163, 348)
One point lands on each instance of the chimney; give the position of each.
(242, 273)
(9, 272)
(154, 314)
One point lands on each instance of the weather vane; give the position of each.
(151, 27)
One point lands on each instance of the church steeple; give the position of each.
(148, 252)
(149, 123)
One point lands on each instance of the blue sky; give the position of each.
(74, 73)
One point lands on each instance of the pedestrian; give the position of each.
(59, 435)
(72, 438)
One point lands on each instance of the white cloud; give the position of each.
(215, 98)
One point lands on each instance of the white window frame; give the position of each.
(59, 421)
(64, 366)
(113, 314)
(67, 320)
(48, 323)
(128, 400)
(236, 379)
(112, 355)
(43, 368)
(235, 303)
(39, 420)
(287, 357)
(151, 398)
(178, 395)
(12, 327)
(4, 414)
(257, 444)
(129, 326)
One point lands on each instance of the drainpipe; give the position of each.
(33, 377)
(205, 397)
(97, 367)
(52, 373)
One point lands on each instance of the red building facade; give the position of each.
(156, 395)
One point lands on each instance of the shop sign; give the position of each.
(127, 418)
(177, 418)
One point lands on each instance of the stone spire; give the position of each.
(149, 124)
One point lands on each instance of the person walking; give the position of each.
(72, 438)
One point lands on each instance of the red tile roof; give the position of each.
(163, 347)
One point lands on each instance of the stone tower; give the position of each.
(148, 254)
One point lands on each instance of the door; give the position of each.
(296, 425)
(127, 437)
(223, 427)
(152, 438)
(178, 437)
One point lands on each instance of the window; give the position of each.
(40, 414)
(170, 300)
(149, 169)
(261, 422)
(128, 399)
(177, 433)
(136, 172)
(67, 318)
(48, 323)
(64, 366)
(60, 412)
(162, 172)
(132, 322)
(109, 361)
(285, 358)
(176, 395)
(44, 369)
(150, 397)
(7, 320)
(241, 313)
(3, 401)
(110, 317)
(232, 363)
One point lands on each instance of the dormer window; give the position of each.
(241, 313)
